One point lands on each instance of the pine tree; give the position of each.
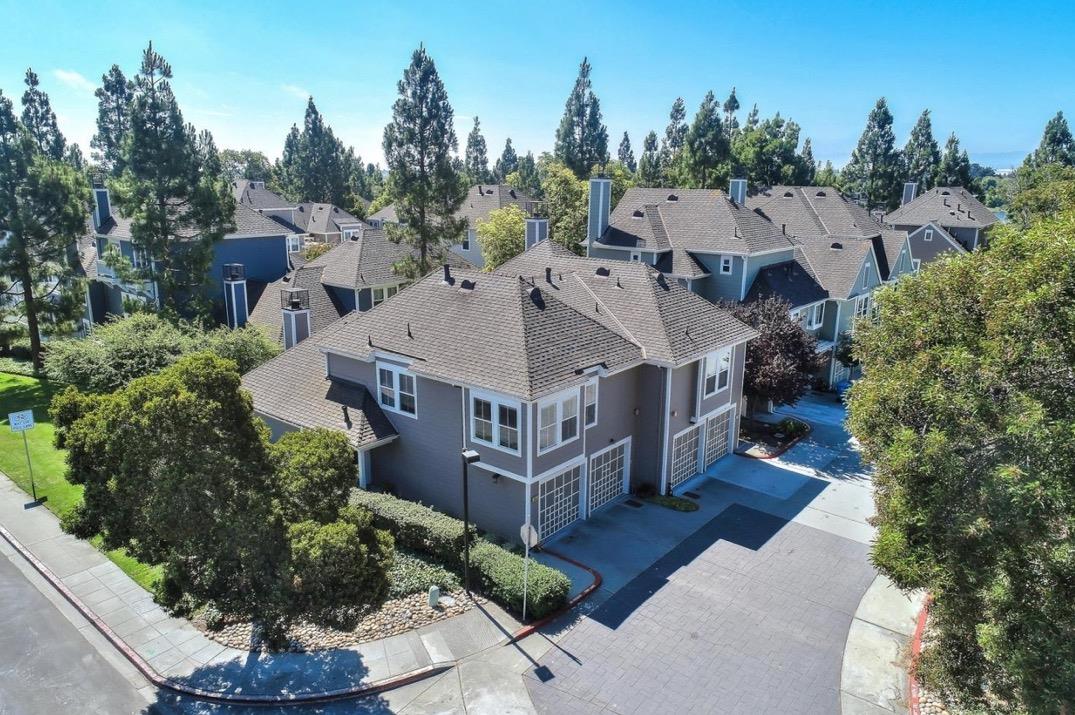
(113, 120)
(649, 165)
(315, 165)
(807, 165)
(1057, 145)
(873, 172)
(827, 176)
(675, 136)
(731, 106)
(526, 177)
(507, 163)
(418, 146)
(42, 212)
(626, 155)
(954, 169)
(40, 120)
(476, 163)
(173, 191)
(921, 156)
(753, 117)
(581, 138)
(706, 146)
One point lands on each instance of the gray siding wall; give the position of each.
(472, 254)
(756, 263)
(617, 399)
(646, 442)
(612, 254)
(867, 278)
(923, 250)
(491, 455)
(719, 286)
(965, 236)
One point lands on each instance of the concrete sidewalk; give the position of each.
(178, 651)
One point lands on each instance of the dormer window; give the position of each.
(383, 293)
(725, 265)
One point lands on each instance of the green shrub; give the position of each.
(214, 619)
(500, 575)
(412, 573)
(76, 521)
(416, 527)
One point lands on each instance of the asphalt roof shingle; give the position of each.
(814, 211)
(481, 200)
(836, 263)
(324, 306)
(793, 280)
(946, 206)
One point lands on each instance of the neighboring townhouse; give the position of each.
(317, 222)
(481, 200)
(576, 380)
(945, 218)
(358, 274)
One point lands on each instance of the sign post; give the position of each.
(21, 422)
(530, 538)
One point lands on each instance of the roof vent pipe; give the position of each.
(448, 275)
(548, 274)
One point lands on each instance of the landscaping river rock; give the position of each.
(392, 618)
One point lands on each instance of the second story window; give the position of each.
(558, 421)
(816, 313)
(466, 242)
(866, 277)
(726, 265)
(494, 422)
(294, 243)
(718, 371)
(929, 234)
(380, 295)
(397, 390)
(590, 392)
(862, 307)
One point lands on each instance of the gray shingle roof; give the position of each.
(481, 200)
(248, 222)
(386, 214)
(368, 261)
(814, 211)
(325, 218)
(946, 206)
(836, 262)
(681, 264)
(256, 196)
(292, 388)
(700, 220)
(887, 248)
(670, 323)
(794, 281)
(324, 307)
(501, 334)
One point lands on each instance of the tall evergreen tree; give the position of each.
(476, 162)
(40, 120)
(954, 169)
(765, 153)
(1057, 145)
(753, 117)
(873, 172)
(827, 175)
(507, 163)
(807, 165)
(649, 165)
(113, 120)
(315, 165)
(706, 146)
(921, 157)
(581, 138)
(626, 155)
(173, 192)
(675, 136)
(526, 176)
(418, 146)
(731, 106)
(42, 212)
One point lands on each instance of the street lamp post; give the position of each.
(469, 458)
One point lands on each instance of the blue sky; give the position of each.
(991, 71)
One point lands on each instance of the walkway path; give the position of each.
(176, 650)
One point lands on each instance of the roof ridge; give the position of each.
(630, 335)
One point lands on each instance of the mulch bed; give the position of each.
(764, 440)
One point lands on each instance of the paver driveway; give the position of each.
(747, 614)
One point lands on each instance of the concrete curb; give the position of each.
(914, 690)
(160, 681)
(786, 447)
(579, 598)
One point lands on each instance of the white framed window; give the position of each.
(866, 276)
(725, 265)
(718, 371)
(466, 241)
(815, 315)
(383, 293)
(862, 306)
(916, 263)
(558, 421)
(397, 389)
(636, 257)
(294, 243)
(590, 403)
(494, 421)
(928, 235)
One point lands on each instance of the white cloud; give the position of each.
(295, 90)
(74, 80)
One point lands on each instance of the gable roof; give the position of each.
(248, 222)
(814, 211)
(946, 206)
(267, 312)
(793, 280)
(887, 248)
(668, 322)
(836, 263)
(256, 196)
(324, 218)
(368, 260)
(700, 220)
(481, 200)
(488, 330)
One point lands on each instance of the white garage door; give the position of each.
(685, 455)
(558, 501)
(718, 436)
(608, 474)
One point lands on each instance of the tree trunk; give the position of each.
(31, 318)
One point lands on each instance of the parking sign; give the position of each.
(21, 421)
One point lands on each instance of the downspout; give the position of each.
(530, 445)
(666, 401)
(584, 493)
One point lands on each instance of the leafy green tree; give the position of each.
(675, 138)
(476, 162)
(178, 205)
(625, 155)
(113, 120)
(706, 148)
(566, 199)
(621, 176)
(581, 138)
(315, 471)
(502, 236)
(246, 164)
(40, 120)
(1057, 145)
(42, 212)
(428, 190)
(954, 169)
(1038, 193)
(507, 163)
(765, 152)
(873, 172)
(828, 176)
(965, 414)
(921, 157)
(526, 177)
(649, 166)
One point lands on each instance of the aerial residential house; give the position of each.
(943, 219)
(481, 200)
(317, 222)
(357, 274)
(574, 379)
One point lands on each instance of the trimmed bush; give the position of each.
(413, 573)
(497, 572)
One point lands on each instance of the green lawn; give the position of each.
(20, 393)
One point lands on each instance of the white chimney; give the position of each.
(910, 190)
(537, 230)
(295, 302)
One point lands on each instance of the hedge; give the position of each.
(499, 572)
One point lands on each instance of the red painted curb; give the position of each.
(789, 445)
(914, 694)
(579, 598)
(160, 681)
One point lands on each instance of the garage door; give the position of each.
(685, 455)
(608, 475)
(558, 501)
(718, 436)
